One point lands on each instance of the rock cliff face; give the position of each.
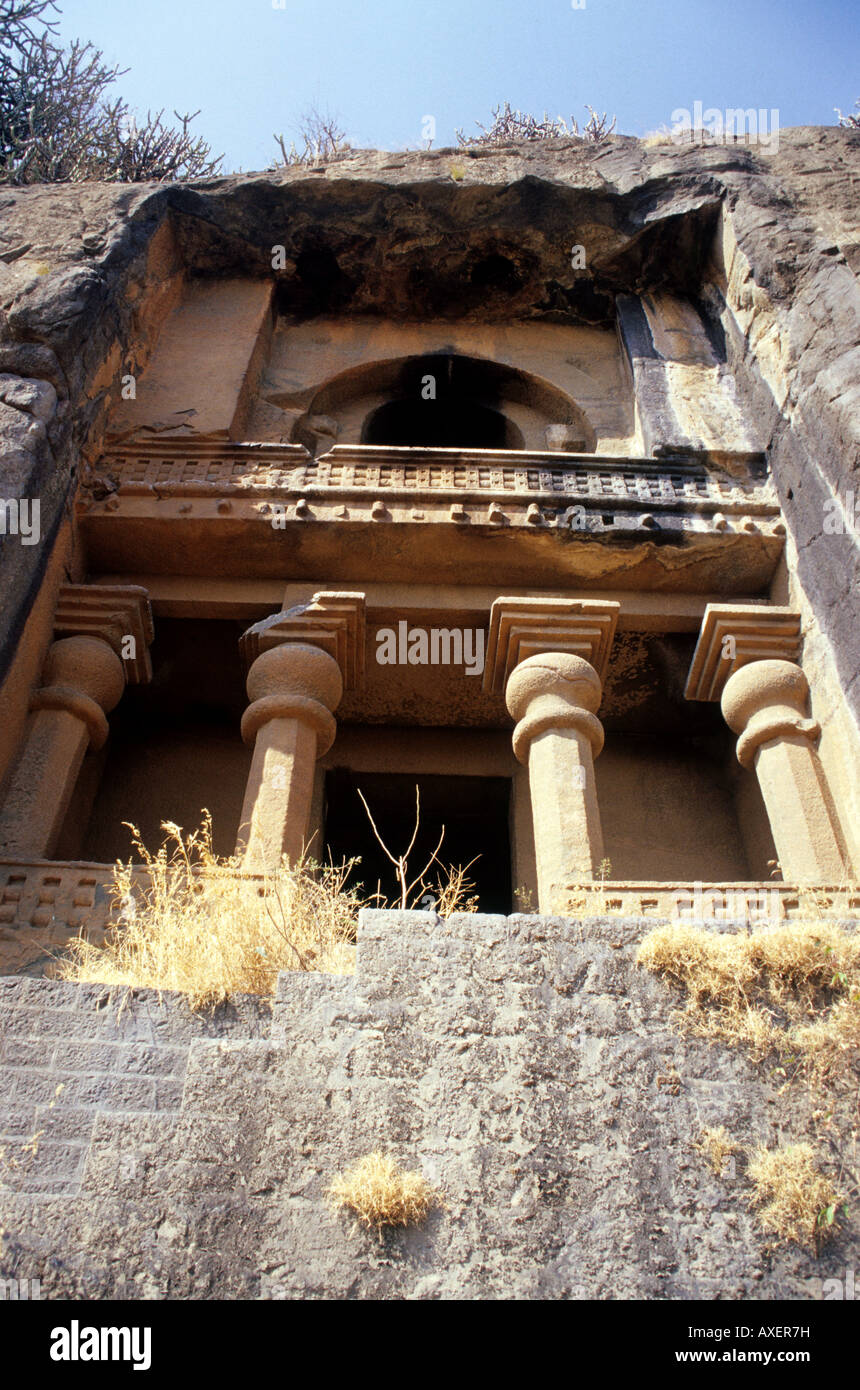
(524, 1064)
(766, 244)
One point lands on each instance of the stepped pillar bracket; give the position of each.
(524, 627)
(113, 612)
(334, 622)
(733, 635)
(746, 658)
(300, 661)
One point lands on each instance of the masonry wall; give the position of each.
(524, 1064)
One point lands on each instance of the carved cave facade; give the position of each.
(285, 483)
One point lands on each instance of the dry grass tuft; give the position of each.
(186, 920)
(796, 1201)
(717, 1145)
(792, 989)
(455, 892)
(380, 1194)
(195, 924)
(662, 136)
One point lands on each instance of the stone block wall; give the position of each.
(524, 1064)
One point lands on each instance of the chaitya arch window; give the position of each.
(445, 400)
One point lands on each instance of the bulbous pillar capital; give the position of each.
(84, 677)
(294, 681)
(767, 700)
(554, 691)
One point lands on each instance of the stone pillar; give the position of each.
(745, 658)
(554, 698)
(300, 661)
(294, 688)
(765, 702)
(84, 681)
(549, 655)
(104, 633)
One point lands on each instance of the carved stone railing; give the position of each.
(43, 905)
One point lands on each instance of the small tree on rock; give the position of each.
(57, 122)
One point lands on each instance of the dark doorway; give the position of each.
(473, 810)
(444, 402)
(174, 747)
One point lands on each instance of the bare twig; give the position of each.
(323, 140)
(452, 885)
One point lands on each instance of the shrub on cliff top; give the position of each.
(58, 124)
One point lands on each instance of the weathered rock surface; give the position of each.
(524, 1064)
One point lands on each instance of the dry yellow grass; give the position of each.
(717, 1145)
(380, 1194)
(186, 920)
(795, 1200)
(663, 136)
(193, 923)
(455, 892)
(792, 989)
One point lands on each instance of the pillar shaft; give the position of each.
(554, 697)
(565, 813)
(279, 790)
(790, 779)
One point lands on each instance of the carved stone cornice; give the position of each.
(733, 635)
(524, 627)
(364, 474)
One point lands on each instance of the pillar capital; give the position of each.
(767, 700)
(332, 621)
(84, 677)
(294, 681)
(82, 681)
(521, 628)
(735, 634)
(299, 663)
(746, 657)
(114, 613)
(554, 691)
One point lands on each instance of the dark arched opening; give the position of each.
(445, 424)
(443, 401)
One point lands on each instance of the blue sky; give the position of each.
(383, 65)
